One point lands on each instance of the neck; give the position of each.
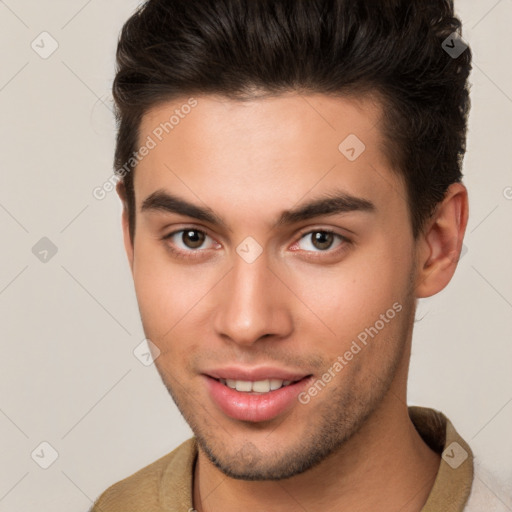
(386, 466)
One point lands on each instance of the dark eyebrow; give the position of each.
(163, 201)
(331, 203)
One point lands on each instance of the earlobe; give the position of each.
(441, 244)
(128, 245)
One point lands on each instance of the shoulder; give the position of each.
(141, 490)
(488, 492)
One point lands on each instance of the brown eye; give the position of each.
(190, 243)
(192, 238)
(322, 239)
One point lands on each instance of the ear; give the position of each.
(128, 245)
(440, 245)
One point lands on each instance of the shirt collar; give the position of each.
(454, 479)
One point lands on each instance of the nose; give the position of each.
(252, 303)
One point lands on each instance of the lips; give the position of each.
(244, 403)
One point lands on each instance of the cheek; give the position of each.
(352, 295)
(166, 292)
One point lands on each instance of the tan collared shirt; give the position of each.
(166, 485)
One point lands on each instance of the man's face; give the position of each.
(288, 298)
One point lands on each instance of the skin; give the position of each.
(297, 306)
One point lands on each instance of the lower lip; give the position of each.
(254, 407)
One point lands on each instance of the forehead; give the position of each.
(255, 153)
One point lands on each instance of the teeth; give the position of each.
(275, 384)
(243, 385)
(259, 386)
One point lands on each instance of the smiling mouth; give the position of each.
(255, 400)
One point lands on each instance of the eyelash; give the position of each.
(197, 253)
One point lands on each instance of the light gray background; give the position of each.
(68, 375)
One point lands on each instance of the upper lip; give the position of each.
(255, 374)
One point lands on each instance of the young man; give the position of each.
(291, 179)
